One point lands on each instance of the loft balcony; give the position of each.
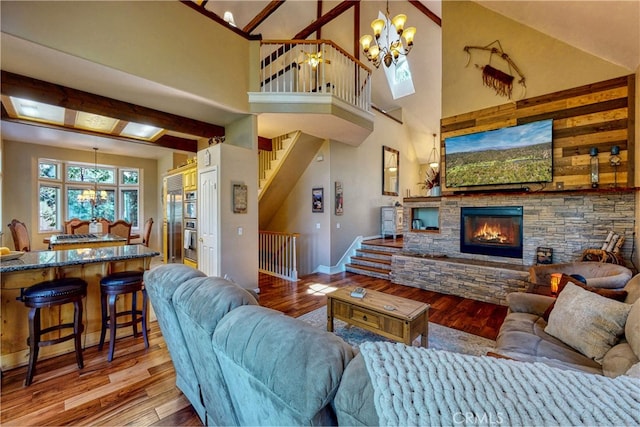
(313, 86)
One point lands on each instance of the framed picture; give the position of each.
(239, 198)
(317, 196)
(544, 255)
(339, 199)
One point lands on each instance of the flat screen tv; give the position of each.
(512, 155)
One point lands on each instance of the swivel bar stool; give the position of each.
(112, 286)
(53, 293)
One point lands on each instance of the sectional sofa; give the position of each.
(242, 364)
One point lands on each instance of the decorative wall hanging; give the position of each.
(317, 196)
(339, 198)
(494, 78)
(240, 198)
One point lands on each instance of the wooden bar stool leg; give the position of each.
(112, 326)
(134, 316)
(77, 330)
(33, 341)
(103, 331)
(145, 304)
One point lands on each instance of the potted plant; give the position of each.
(431, 181)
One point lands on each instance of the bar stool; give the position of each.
(111, 286)
(50, 294)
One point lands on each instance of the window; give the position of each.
(85, 191)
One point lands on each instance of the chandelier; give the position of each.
(391, 47)
(92, 195)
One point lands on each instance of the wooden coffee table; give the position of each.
(404, 323)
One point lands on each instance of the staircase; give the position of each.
(373, 258)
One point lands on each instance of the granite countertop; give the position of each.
(44, 259)
(72, 239)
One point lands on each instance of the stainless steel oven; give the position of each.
(191, 239)
(190, 204)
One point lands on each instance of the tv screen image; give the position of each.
(512, 155)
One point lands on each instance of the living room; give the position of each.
(555, 67)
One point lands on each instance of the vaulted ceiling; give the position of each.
(607, 29)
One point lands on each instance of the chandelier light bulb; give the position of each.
(378, 26)
(365, 41)
(408, 35)
(398, 22)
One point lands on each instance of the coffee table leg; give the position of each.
(329, 315)
(424, 340)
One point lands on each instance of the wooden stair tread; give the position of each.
(374, 252)
(366, 267)
(372, 260)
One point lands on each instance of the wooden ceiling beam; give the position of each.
(265, 144)
(61, 96)
(167, 141)
(424, 9)
(325, 19)
(216, 18)
(262, 16)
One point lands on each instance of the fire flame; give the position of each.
(490, 233)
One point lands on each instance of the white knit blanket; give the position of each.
(421, 387)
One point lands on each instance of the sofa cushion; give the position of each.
(618, 360)
(617, 295)
(588, 322)
(632, 328)
(522, 337)
(161, 283)
(200, 304)
(279, 370)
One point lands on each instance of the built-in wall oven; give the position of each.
(190, 226)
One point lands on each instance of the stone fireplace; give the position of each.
(493, 230)
(567, 222)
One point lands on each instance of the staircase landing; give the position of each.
(373, 258)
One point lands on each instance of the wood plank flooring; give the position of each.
(138, 387)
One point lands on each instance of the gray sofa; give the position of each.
(522, 336)
(242, 364)
(597, 274)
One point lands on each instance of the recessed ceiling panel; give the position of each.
(32, 110)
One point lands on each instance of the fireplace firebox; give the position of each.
(494, 230)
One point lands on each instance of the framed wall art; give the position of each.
(317, 196)
(239, 198)
(339, 199)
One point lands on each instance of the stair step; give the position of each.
(361, 260)
(381, 273)
(375, 252)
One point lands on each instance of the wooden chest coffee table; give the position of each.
(393, 317)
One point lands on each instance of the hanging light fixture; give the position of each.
(92, 195)
(391, 47)
(434, 159)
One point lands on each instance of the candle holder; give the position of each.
(555, 282)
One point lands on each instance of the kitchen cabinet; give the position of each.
(189, 177)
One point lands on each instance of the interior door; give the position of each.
(208, 256)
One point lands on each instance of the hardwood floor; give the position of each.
(138, 387)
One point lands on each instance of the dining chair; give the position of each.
(146, 235)
(121, 228)
(81, 227)
(68, 224)
(20, 235)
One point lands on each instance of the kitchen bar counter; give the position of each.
(73, 241)
(90, 264)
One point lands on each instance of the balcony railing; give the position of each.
(277, 254)
(314, 66)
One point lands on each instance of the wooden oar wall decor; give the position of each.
(494, 78)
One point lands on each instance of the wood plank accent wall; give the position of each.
(598, 115)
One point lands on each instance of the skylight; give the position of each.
(26, 109)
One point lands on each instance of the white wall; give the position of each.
(238, 252)
(360, 171)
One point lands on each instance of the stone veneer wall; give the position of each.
(567, 222)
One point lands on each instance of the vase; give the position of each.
(435, 191)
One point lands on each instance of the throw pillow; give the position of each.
(620, 295)
(634, 371)
(586, 321)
